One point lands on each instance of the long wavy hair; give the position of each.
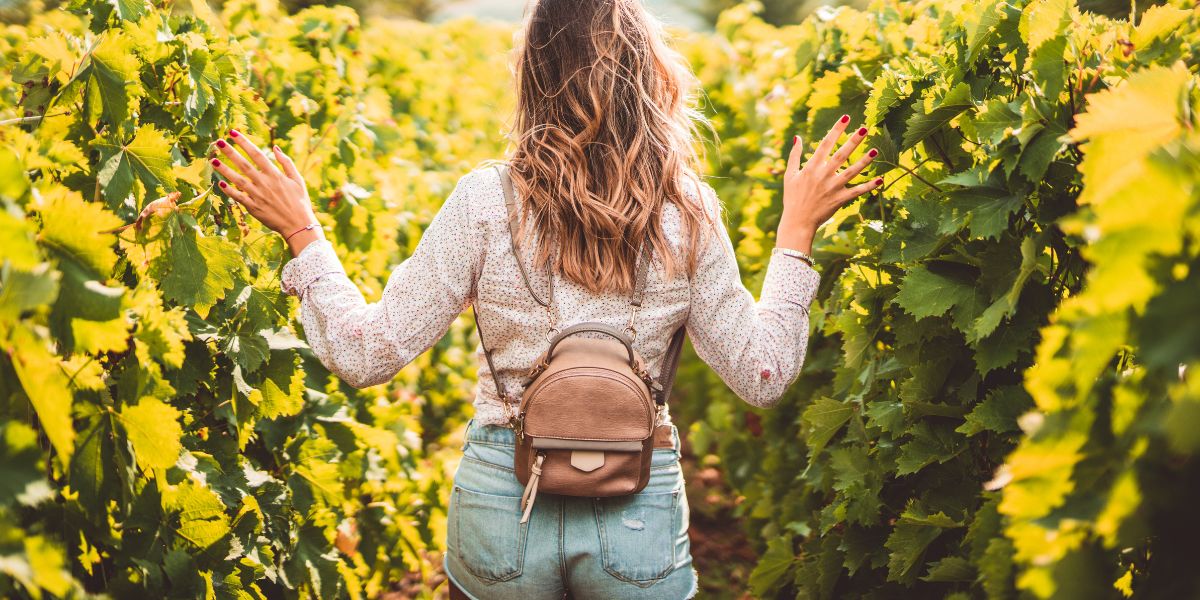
(603, 134)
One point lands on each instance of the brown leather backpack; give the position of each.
(586, 421)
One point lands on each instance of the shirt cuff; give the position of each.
(316, 260)
(790, 278)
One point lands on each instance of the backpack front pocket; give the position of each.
(484, 530)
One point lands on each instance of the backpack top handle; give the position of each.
(598, 328)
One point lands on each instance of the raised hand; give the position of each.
(278, 198)
(814, 191)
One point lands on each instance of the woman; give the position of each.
(603, 159)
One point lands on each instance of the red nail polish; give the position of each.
(233, 133)
(216, 163)
(879, 181)
(795, 138)
(845, 118)
(220, 143)
(873, 153)
(862, 131)
(222, 184)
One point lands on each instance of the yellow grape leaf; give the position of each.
(16, 244)
(1044, 20)
(93, 337)
(1158, 22)
(162, 331)
(1124, 124)
(202, 517)
(73, 226)
(153, 429)
(56, 54)
(47, 387)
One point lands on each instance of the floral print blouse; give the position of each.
(465, 258)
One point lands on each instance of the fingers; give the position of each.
(236, 159)
(241, 197)
(252, 151)
(845, 175)
(844, 152)
(826, 145)
(796, 156)
(232, 176)
(289, 167)
(858, 190)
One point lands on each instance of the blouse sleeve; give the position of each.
(367, 344)
(757, 348)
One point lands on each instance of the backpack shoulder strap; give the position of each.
(666, 374)
(510, 204)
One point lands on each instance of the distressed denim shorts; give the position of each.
(625, 547)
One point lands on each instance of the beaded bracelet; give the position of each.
(312, 225)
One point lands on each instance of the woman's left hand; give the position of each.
(278, 198)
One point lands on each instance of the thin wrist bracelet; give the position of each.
(797, 254)
(312, 225)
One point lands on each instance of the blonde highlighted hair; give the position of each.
(602, 139)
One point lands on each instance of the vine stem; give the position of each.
(910, 172)
(31, 118)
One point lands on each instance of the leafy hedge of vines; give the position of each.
(997, 400)
(166, 434)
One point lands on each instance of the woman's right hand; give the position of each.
(812, 193)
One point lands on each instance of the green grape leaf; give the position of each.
(248, 349)
(987, 210)
(998, 412)
(129, 10)
(999, 118)
(774, 565)
(113, 78)
(981, 26)
(825, 417)
(1049, 68)
(924, 293)
(92, 463)
(996, 568)
(315, 562)
(950, 569)
(929, 444)
(907, 545)
(146, 158)
(921, 125)
(196, 271)
(1006, 305)
(886, 415)
(1004, 345)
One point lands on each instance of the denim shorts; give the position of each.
(624, 547)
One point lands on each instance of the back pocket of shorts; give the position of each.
(487, 533)
(637, 535)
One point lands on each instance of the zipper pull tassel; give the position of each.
(530, 493)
